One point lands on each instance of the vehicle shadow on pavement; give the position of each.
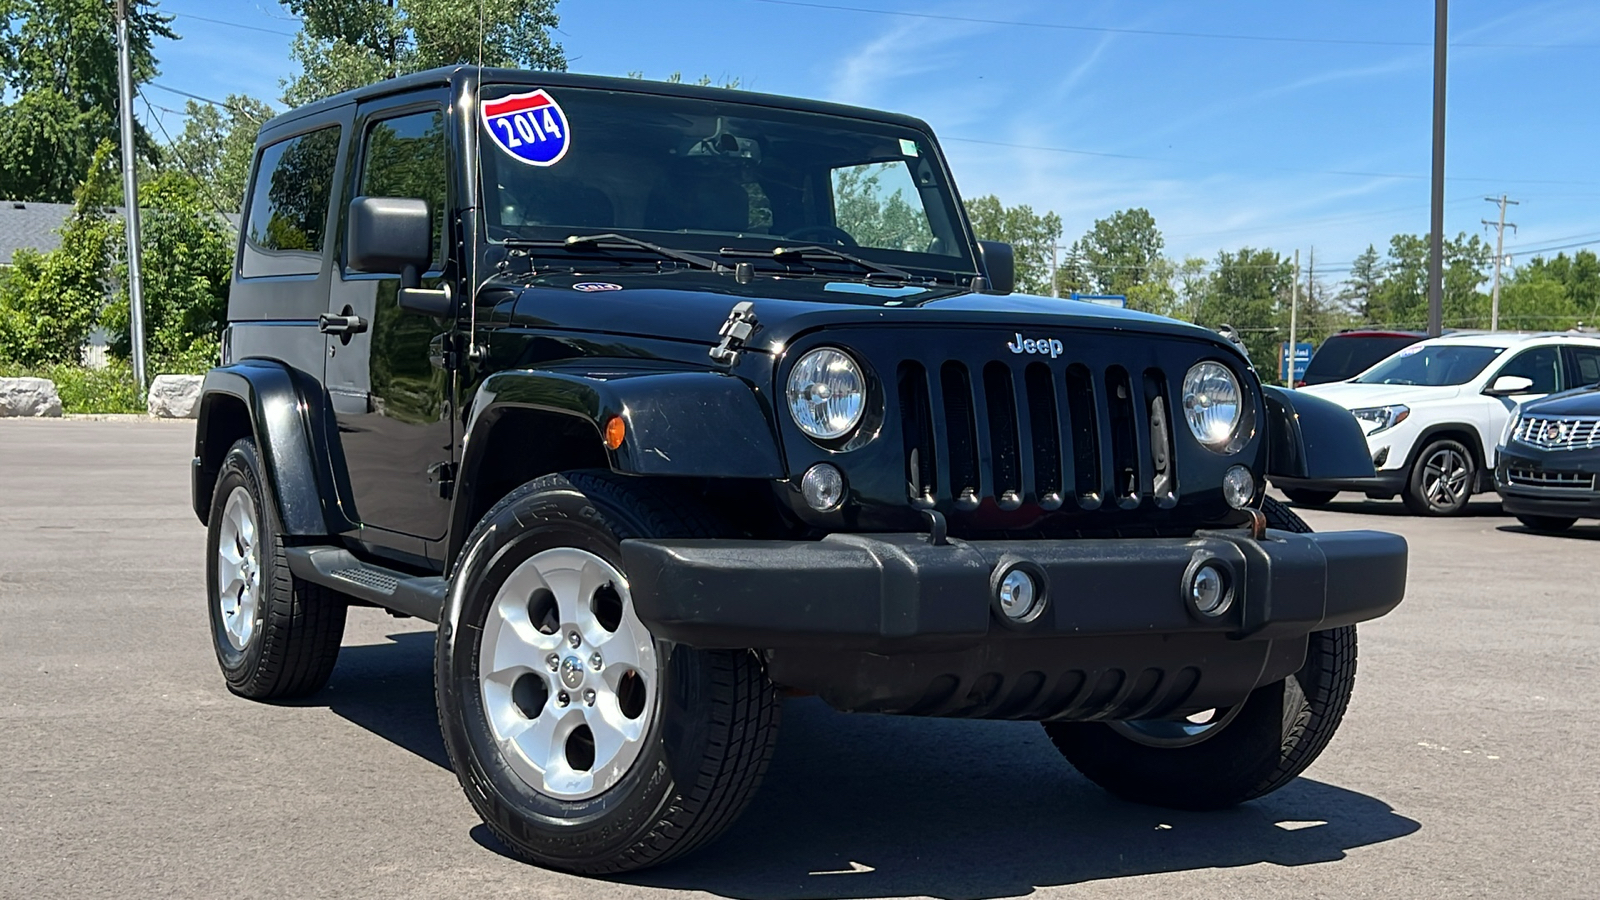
(1575, 533)
(1475, 508)
(883, 806)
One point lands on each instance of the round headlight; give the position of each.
(826, 394)
(1212, 404)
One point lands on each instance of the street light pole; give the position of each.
(1436, 229)
(130, 195)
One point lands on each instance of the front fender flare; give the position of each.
(680, 423)
(1309, 437)
(288, 415)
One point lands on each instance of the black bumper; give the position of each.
(1383, 484)
(891, 623)
(1518, 497)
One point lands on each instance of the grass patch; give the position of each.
(84, 390)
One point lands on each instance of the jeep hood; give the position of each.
(692, 305)
(1357, 396)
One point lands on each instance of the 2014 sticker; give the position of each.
(530, 127)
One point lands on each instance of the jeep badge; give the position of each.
(1051, 346)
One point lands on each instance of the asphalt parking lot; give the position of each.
(1467, 765)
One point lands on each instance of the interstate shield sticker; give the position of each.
(530, 127)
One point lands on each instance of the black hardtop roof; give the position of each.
(466, 75)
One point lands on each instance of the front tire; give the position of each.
(583, 743)
(1238, 754)
(1441, 480)
(276, 636)
(1547, 524)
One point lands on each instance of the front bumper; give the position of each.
(1383, 484)
(1557, 483)
(892, 623)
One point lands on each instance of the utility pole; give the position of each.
(1054, 291)
(130, 195)
(1499, 254)
(1294, 320)
(1441, 31)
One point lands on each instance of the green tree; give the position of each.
(1031, 235)
(1121, 252)
(216, 145)
(50, 301)
(1366, 273)
(1400, 299)
(187, 259)
(1579, 279)
(1535, 297)
(59, 59)
(344, 44)
(1249, 290)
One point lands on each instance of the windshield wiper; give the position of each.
(611, 241)
(818, 252)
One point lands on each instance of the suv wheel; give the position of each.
(1441, 480)
(276, 636)
(1222, 757)
(584, 743)
(1549, 524)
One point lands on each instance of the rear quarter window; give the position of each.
(286, 221)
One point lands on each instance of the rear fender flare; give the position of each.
(288, 417)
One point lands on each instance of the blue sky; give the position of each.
(1319, 141)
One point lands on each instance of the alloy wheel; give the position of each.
(239, 568)
(1444, 478)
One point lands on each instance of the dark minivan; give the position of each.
(1349, 353)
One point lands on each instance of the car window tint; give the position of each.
(404, 156)
(1342, 356)
(288, 212)
(1586, 365)
(1540, 365)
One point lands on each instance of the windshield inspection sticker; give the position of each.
(590, 287)
(529, 126)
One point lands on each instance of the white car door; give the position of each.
(1540, 365)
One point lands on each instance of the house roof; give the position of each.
(33, 225)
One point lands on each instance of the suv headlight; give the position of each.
(1512, 425)
(1212, 405)
(827, 393)
(1374, 419)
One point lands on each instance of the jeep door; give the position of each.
(390, 390)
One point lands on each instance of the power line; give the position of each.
(198, 18)
(220, 104)
(204, 185)
(1151, 32)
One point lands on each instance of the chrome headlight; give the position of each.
(1213, 405)
(827, 394)
(1374, 419)
(1512, 425)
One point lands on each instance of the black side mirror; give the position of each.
(388, 236)
(999, 266)
(394, 236)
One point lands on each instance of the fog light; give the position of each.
(1207, 590)
(1379, 458)
(823, 487)
(1019, 595)
(1238, 487)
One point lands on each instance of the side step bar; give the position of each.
(332, 567)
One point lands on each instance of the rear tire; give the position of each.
(1442, 478)
(276, 636)
(1547, 524)
(1308, 497)
(567, 767)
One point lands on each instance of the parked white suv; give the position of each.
(1434, 411)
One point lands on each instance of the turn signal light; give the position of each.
(616, 432)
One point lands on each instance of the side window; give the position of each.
(404, 157)
(288, 210)
(1585, 365)
(1539, 364)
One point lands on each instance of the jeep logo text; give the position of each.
(1052, 347)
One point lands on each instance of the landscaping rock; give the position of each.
(29, 397)
(175, 396)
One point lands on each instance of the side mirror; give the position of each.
(999, 266)
(1506, 385)
(390, 236)
(394, 236)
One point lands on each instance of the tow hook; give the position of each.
(938, 529)
(741, 324)
(1258, 523)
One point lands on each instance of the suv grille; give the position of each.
(1067, 435)
(1573, 433)
(1550, 480)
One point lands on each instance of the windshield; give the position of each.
(1342, 356)
(1435, 365)
(704, 175)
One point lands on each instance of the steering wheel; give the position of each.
(827, 234)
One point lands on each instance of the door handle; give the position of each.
(328, 323)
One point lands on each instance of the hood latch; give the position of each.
(740, 326)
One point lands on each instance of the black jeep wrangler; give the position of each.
(667, 401)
